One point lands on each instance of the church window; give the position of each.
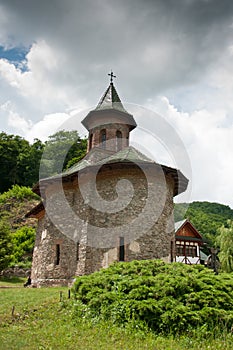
(57, 254)
(90, 142)
(118, 140)
(103, 138)
(172, 245)
(77, 251)
(122, 249)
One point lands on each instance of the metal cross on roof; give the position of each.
(112, 76)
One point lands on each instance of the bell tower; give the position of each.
(109, 124)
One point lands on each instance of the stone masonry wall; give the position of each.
(152, 236)
(46, 270)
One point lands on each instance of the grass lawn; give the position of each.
(12, 282)
(40, 321)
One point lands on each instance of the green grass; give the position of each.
(26, 301)
(40, 321)
(12, 281)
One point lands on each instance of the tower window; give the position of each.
(118, 140)
(57, 261)
(122, 249)
(103, 138)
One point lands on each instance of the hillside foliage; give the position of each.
(6, 246)
(19, 193)
(167, 298)
(23, 241)
(17, 234)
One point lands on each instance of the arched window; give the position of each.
(118, 140)
(90, 141)
(103, 138)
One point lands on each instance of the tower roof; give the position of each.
(109, 110)
(110, 100)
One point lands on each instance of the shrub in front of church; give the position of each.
(168, 298)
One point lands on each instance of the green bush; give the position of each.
(19, 193)
(168, 298)
(23, 242)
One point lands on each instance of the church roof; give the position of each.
(128, 154)
(100, 157)
(110, 100)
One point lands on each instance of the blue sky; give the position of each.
(15, 55)
(172, 57)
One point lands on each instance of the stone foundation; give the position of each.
(16, 272)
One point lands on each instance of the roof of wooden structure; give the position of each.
(194, 236)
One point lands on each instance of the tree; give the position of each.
(60, 150)
(6, 247)
(226, 247)
(29, 163)
(19, 161)
(10, 148)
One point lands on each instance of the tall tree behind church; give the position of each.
(62, 150)
(19, 161)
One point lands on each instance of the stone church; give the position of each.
(116, 204)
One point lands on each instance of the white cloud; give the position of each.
(18, 123)
(39, 81)
(35, 94)
(209, 143)
(10, 73)
(47, 126)
(15, 122)
(41, 130)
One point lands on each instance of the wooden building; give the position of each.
(188, 243)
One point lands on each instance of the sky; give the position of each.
(173, 60)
